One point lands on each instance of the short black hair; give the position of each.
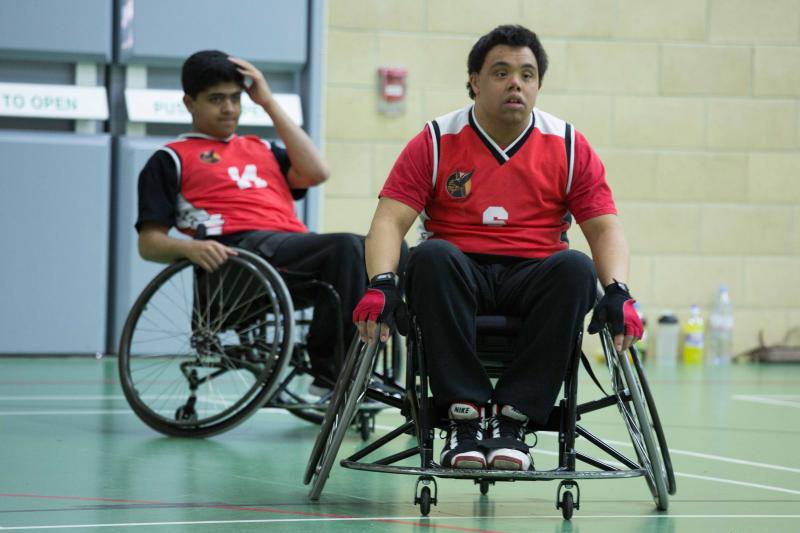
(207, 68)
(510, 35)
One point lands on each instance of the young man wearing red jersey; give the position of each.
(241, 189)
(495, 185)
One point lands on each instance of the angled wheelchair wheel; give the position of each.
(334, 406)
(352, 392)
(657, 428)
(636, 415)
(200, 352)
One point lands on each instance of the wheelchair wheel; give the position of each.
(334, 406)
(657, 428)
(200, 352)
(353, 390)
(638, 422)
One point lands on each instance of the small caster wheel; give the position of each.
(186, 413)
(484, 484)
(567, 505)
(425, 501)
(364, 427)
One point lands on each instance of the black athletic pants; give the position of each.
(335, 258)
(446, 289)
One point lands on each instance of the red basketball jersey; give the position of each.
(513, 201)
(231, 186)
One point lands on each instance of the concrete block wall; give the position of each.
(692, 104)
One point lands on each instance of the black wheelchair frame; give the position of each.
(630, 393)
(200, 353)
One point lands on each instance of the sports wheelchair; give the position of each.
(201, 352)
(629, 392)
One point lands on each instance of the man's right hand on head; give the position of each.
(208, 254)
(382, 303)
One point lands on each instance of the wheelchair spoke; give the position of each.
(219, 297)
(166, 295)
(199, 351)
(160, 397)
(150, 339)
(259, 324)
(187, 304)
(225, 311)
(164, 315)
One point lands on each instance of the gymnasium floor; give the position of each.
(74, 457)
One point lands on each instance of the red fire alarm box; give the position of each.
(392, 88)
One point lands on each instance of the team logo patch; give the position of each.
(210, 157)
(458, 184)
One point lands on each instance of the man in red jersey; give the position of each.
(241, 189)
(496, 185)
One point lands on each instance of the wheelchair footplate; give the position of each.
(496, 475)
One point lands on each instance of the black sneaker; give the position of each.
(463, 435)
(508, 428)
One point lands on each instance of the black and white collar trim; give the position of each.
(197, 135)
(501, 155)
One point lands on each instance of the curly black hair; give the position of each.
(510, 35)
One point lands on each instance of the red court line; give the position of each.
(250, 509)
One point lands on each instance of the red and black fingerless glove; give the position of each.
(383, 302)
(615, 308)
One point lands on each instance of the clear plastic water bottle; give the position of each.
(667, 339)
(720, 329)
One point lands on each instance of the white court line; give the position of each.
(735, 461)
(769, 400)
(742, 483)
(24, 398)
(787, 396)
(721, 458)
(283, 411)
(414, 519)
(73, 412)
(71, 398)
(265, 410)
(705, 478)
(83, 412)
(693, 476)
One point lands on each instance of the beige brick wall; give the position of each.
(694, 106)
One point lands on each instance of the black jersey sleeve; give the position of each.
(158, 190)
(285, 164)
